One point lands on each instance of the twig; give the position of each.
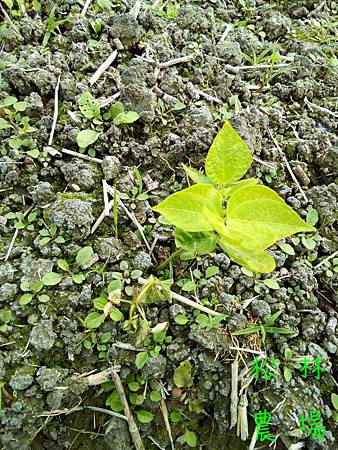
(165, 415)
(242, 422)
(85, 7)
(133, 430)
(267, 164)
(99, 378)
(105, 198)
(104, 66)
(4, 12)
(56, 111)
(209, 97)
(288, 166)
(81, 156)
(131, 216)
(225, 33)
(135, 9)
(320, 108)
(109, 100)
(326, 259)
(106, 411)
(234, 393)
(179, 60)
(185, 300)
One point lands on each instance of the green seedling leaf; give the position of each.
(228, 158)
(211, 271)
(86, 137)
(184, 209)
(114, 285)
(196, 176)
(287, 248)
(271, 283)
(44, 298)
(78, 278)
(182, 375)
(141, 359)
(5, 316)
(59, 240)
(63, 264)
(230, 190)
(144, 416)
(89, 107)
(100, 303)
(278, 330)
(175, 417)
(126, 117)
(287, 374)
(190, 438)
(312, 217)
(334, 400)
(309, 243)
(288, 353)
(189, 286)
(4, 124)
(155, 396)
(114, 402)
(272, 319)
(33, 153)
(250, 330)
(84, 255)
(51, 279)
(94, 320)
(25, 299)
(20, 106)
(180, 319)
(116, 109)
(116, 315)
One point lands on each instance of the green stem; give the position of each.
(168, 260)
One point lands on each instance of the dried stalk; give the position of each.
(234, 393)
(133, 430)
(185, 300)
(56, 111)
(104, 66)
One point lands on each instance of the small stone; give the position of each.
(21, 380)
(8, 292)
(42, 193)
(111, 167)
(261, 309)
(117, 435)
(48, 378)
(142, 261)
(154, 368)
(42, 336)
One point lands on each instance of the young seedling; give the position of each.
(32, 291)
(265, 328)
(255, 216)
(49, 235)
(5, 318)
(83, 257)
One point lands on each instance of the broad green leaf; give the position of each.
(288, 353)
(84, 255)
(89, 107)
(141, 359)
(263, 214)
(25, 299)
(126, 117)
(113, 285)
(196, 176)
(312, 216)
(244, 249)
(33, 153)
(78, 278)
(51, 279)
(271, 283)
(189, 286)
(114, 402)
(155, 396)
(175, 417)
(37, 286)
(230, 190)
(116, 315)
(144, 416)
(4, 124)
(228, 158)
(247, 330)
(190, 438)
(287, 374)
(334, 400)
(211, 271)
(86, 137)
(63, 264)
(199, 243)
(94, 320)
(184, 209)
(180, 319)
(44, 298)
(182, 375)
(116, 109)
(20, 106)
(5, 316)
(287, 248)
(100, 303)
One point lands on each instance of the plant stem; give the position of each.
(169, 259)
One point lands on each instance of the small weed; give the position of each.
(5, 319)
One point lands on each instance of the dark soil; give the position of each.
(268, 67)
